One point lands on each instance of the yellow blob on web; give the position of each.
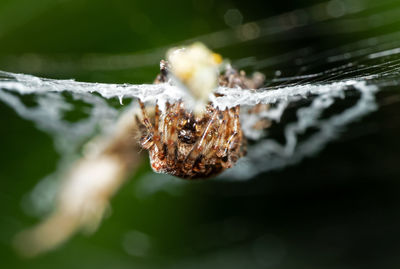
(197, 68)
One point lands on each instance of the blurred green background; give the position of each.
(339, 209)
(74, 38)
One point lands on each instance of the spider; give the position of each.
(186, 141)
(195, 145)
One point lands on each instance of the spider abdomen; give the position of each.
(184, 146)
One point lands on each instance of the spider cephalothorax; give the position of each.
(189, 146)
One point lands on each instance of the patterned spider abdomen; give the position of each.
(189, 146)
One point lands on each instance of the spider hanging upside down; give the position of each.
(190, 143)
(191, 146)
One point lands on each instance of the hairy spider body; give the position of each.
(191, 147)
(195, 145)
(202, 142)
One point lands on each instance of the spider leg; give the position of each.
(156, 133)
(236, 128)
(164, 126)
(146, 120)
(146, 140)
(223, 134)
(168, 127)
(214, 144)
(234, 137)
(152, 137)
(196, 152)
(172, 133)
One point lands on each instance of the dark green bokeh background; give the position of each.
(340, 209)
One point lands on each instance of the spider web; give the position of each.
(325, 87)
